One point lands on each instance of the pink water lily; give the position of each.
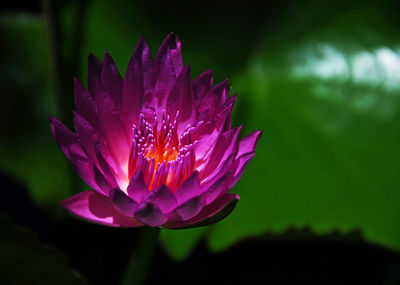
(156, 147)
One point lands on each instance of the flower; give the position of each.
(156, 147)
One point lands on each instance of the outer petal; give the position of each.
(238, 168)
(85, 103)
(112, 81)
(123, 202)
(248, 143)
(64, 137)
(190, 208)
(209, 214)
(171, 47)
(218, 188)
(88, 136)
(211, 102)
(163, 198)
(69, 145)
(189, 189)
(150, 214)
(167, 66)
(202, 84)
(137, 188)
(223, 149)
(99, 209)
(137, 81)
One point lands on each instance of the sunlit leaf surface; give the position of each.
(329, 107)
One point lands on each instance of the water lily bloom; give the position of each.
(156, 147)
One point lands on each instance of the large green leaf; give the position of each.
(327, 95)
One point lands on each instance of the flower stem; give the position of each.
(142, 256)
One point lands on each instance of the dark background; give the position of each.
(42, 245)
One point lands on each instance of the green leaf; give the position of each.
(27, 149)
(326, 93)
(25, 260)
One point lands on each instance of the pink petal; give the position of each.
(238, 167)
(181, 99)
(163, 198)
(88, 136)
(137, 80)
(214, 99)
(224, 147)
(111, 80)
(112, 128)
(99, 209)
(171, 47)
(248, 143)
(64, 137)
(137, 188)
(190, 208)
(210, 214)
(202, 84)
(218, 188)
(105, 169)
(123, 202)
(189, 189)
(151, 215)
(164, 70)
(85, 104)
(103, 186)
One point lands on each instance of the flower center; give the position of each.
(160, 153)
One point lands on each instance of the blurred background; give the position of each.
(320, 200)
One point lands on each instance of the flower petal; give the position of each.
(112, 81)
(150, 214)
(163, 198)
(181, 99)
(189, 189)
(85, 103)
(64, 137)
(238, 167)
(225, 146)
(137, 80)
(112, 128)
(248, 143)
(97, 208)
(190, 208)
(167, 66)
(171, 47)
(210, 214)
(211, 102)
(202, 84)
(123, 202)
(137, 187)
(88, 136)
(220, 186)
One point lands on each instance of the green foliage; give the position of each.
(27, 149)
